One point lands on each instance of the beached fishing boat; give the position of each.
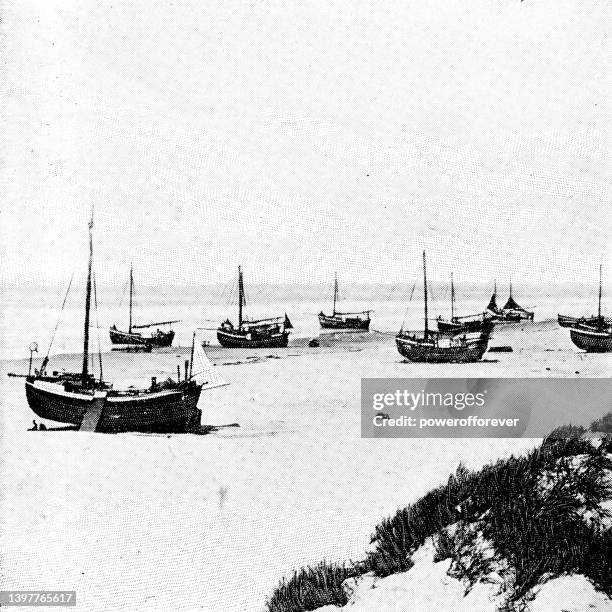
(466, 324)
(597, 322)
(592, 321)
(159, 338)
(513, 312)
(434, 347)
(92, 404)
(344, 320)
(593, 334)
(272, 332)
(510, 313)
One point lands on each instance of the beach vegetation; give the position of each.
(540, 515)
(313, 587)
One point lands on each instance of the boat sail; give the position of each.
(90, 403)
(344, 320)
(434, 347)
(492, 309)
(511, 312)
(272, 332)
(158, 338)
(467, 323)
(593, 334)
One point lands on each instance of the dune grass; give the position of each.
(538, 532)
(535, 524)
(313, 587)
(603, 425)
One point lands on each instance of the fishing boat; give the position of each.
(465, 324)
(592, 321)
(434, 347)
(272, 332)
(597, 322)
(511, 312)
(344, 320)
(159, 338)
(593, 334)
(90, 403)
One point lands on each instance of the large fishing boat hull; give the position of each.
(234, 340)
(417, 350)
(339, 322)
(592, 340)
(159, 339)
(167, 411)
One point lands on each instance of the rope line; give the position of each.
(125, 286)
(408, 307)
(59, 317)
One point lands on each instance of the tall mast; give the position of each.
(425, 292)
(131, 296)
(599, 305)
(84, 373)
(495, 287)
(510, 287)
(241, 300)
(193, 341)
(335, 290)
(452, 298)
(95, 292)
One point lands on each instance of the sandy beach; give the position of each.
(212, 522)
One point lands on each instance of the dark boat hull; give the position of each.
(159, 339)
(155, 412)
(335, 322)
(565, 321)
(592, 340)
(583, 322)
(234, 340)
(415, 349)
(454, 327)
(512, 317)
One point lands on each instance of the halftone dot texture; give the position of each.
(295, 140)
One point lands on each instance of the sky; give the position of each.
(302, 138)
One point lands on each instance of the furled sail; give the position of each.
(492, 304)
(288, 324)
(203, 372)
(512, 305)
